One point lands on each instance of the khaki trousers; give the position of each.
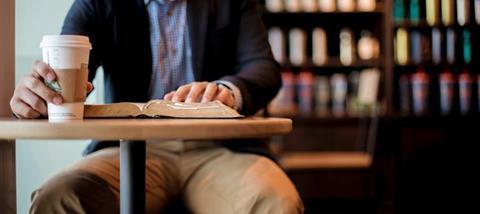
(209, 179)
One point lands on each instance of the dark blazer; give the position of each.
(229, 42)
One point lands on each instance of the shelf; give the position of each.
(398, 118)
(325, 160)
(427, 65)
(424, 25)
(299, 120)
(319, 19)
(432, 121)
(336, 13)
(424, 64)
(336, 64)
(379, 10)
(318, 121)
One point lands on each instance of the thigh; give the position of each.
(241, 183)
(104, 165)
(74, 191)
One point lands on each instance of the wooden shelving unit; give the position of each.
(331, 151)
(401, 138)
(377, 21)
(433, 69)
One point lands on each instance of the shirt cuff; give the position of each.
(237, 94)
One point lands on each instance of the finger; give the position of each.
(39, 88)
(34, 101)
(40, 69)
(196, 91)
(181, 93)
(210, 92)
(169, 96)
(226, 97)
(23, 111)
(89, 87)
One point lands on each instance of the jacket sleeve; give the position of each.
(83, 19)
(257, 73)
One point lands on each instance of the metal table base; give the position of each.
(132, 177)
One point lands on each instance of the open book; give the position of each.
(161, 108)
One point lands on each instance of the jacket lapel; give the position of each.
(197, 15)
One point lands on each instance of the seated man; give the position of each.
(180, 50)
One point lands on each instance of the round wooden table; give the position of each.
(132, 134)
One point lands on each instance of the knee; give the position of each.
(275, 193)
(74, 192)
(271, 201)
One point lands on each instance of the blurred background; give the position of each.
(384, 95)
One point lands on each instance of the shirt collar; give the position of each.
(159, 1)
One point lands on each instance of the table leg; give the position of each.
(132, 177)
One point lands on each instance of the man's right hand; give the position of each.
(31, 94)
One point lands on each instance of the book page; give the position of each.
(113, 110)
(163, 108)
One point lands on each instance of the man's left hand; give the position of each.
(202, 92)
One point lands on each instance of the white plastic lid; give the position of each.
(65, 41)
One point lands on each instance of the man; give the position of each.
(180, 50)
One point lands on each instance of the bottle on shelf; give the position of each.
(368, 46)
(401, 46)
(432, 12)
(415, 11)
(352, 96)
(293, 6)
(274, 6)
(447, 88)
(420, 92)
(463, 12)
(305, 92)
(426, 50)
(338, 83)
(467, 47)
(322, 96)
(297, 46)
(346, 5)
(447, 12)
(405, 94)
(478, 91)
(477, 11)
(399, 10)
(436, 46)
(416, 47)
(284, 102)
(276, 39)
(368, 85)
(347, 47)
(309, 6)
(451, 37)
(319, 47)
(465, 83)
(327, 5)
(366, 5)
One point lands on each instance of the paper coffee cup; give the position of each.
(68, 56)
